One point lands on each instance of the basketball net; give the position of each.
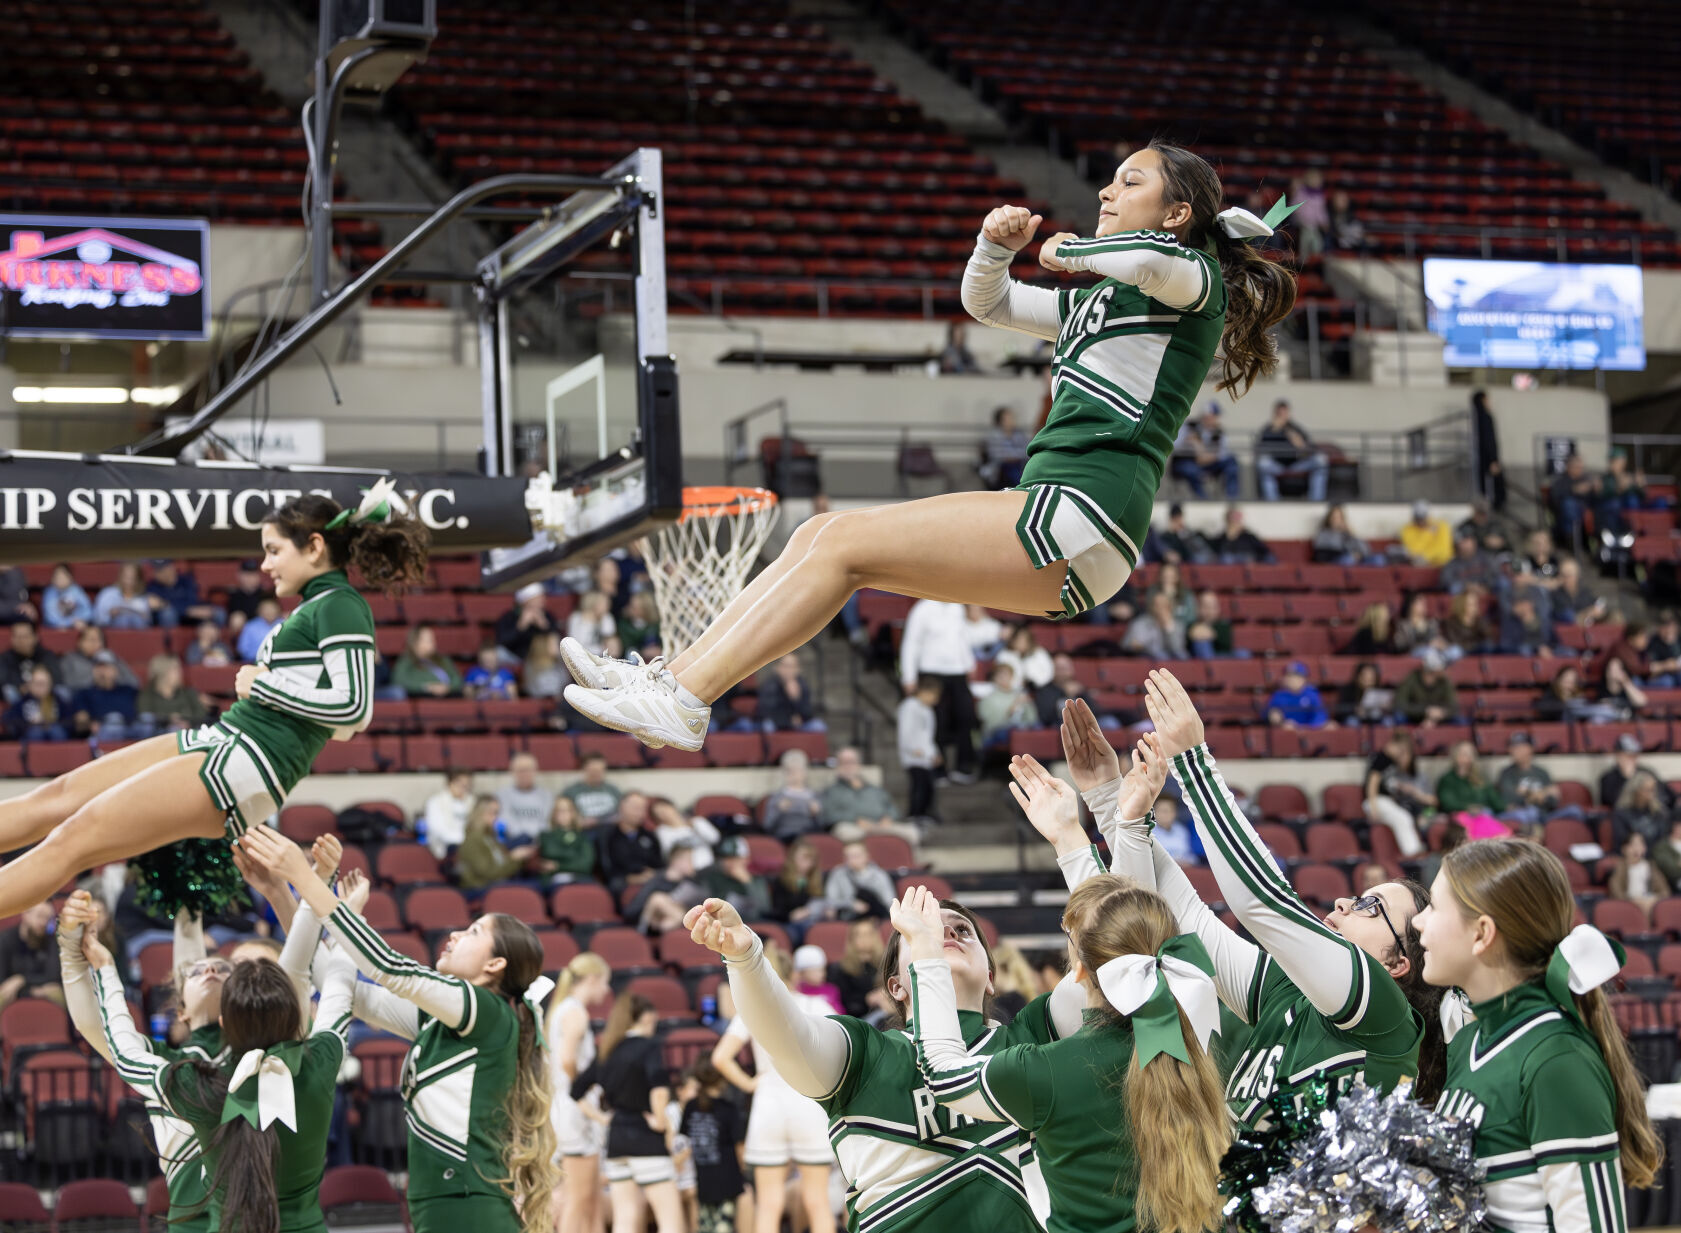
(699, 563)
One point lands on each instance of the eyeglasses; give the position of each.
(1372, 905)
(221, 967)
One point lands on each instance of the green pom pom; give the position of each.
(1255, 1156)
(196, 874)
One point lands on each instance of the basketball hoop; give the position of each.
(699, 563)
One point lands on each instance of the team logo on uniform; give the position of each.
(97, 267)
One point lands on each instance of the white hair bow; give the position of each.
(1130, 981)
(1240, 224)
(533, 996)
(276, 1101)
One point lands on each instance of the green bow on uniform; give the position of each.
(1152, 989)
(1582, 962)
(261, 1088)
(375, 506)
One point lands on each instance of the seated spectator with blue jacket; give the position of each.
(108, 708)
(1295, 703)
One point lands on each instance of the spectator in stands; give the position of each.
(481, 860)
(1004, 709)
(21, 659)
(1157, 632)
(1209, 636)
(852, 806)
(1178, 542)
(1571, 496)
(1335, 544)
(1363, 700)
(40, 712)
(255, 630)
(1667, 855)
(490, 677)
(596, 799)
(1453, 834)
(1283, 449)
(1426, 540)
(168, 704)
(1468, 629)
(107, 709)
(29, 958)
(811, 976)
(919, 753)
(1663, 654)
(75, 670)
(423, 673)
(786, 703)
(1313, 219)
(1640, 810)
(1032, 662)
(64, 604)
(639, 624)
(1004, 453)
(659, 903)
(1178, 838)
(443, 819)
(1471, 566)
(1397, 795)
(1426, 696)
(629, 853)
(1635, 878)
(1485, 453)
(1201, 454)
(1417, 631)
(592, 623)
(1564, 699)
(1621, 490)
(125, 604)
(1625, 763)
(250, 587)
(955, 356)
(1170, 581)
(1522, 629)
(1571, 601)
(528, 618)
(794, 808)
(1374, 633)
(1348, 233)
(985, 633)
(14, 596)
(1631, 650)
(935, 645)
(1539, 566)
(178, 590)
(858, 886)
(565, 850)
(526, 804)
(1462, 789)
(208, 648)
(1480, 523)
(542, 675)
(1237, 545)
(1296, 703)
(731, 878)
(1065, 686)
(1620, 695)
(672, 826)
(796, 896)
(1527, 787)
(857, 973)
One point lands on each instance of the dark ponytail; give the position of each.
(1426, 999)
(1259, 291)
(391, 556)
(259, 1010)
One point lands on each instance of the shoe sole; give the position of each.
(652, 742)
(579, 664)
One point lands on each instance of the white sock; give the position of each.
(684, 696)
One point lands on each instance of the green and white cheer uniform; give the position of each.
(1131, 354)
(912, 1165)
(1532, 1080)
(180, 1094)
(1320, 1009)
(457, 1080)
(319, 687)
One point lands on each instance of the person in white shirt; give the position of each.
(936, 644)
(526, 804)
(445, 815)
(919, 751)
(1033, 664)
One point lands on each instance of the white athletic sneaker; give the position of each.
(647, 707)
(594, 671)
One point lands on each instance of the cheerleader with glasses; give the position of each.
(1178, 285)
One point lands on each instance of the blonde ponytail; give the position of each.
(1637, 1140)
(529, 1172)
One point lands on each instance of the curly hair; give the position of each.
(391, 556)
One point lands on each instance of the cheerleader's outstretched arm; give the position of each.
(372, 1004)
(992, 297)
(1238, 964)
(810, 1052)
(1157, 264)
(81, 999)
(1012, 1086)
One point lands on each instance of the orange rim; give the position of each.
(718, 500)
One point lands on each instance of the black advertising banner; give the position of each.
(104, 277)
(63, 507)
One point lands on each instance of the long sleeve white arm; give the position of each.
(447, 999)
(1235, 960)
(345, 702)
(1157, 265)
(189, 941)
(130, 1052)
(992, 297)
(81, 1000)
(297, 956)
(371, 1004)
(338, 993)
(810, 1052)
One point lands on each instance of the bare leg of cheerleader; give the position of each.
(26, 819)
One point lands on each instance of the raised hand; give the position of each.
(1172, 713)
(1051, 805)
(1091, 759)
(325, 854)
(1047, 252)
(78, 910)
(717, 926)
(917, 919)
(1143, 783)
(273, 852)
(354, 889)
(1011, 226)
